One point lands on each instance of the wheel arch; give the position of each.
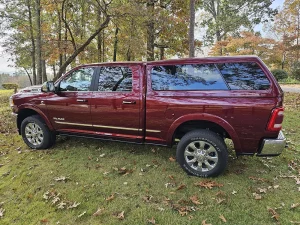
(27, 111)
(190, 122)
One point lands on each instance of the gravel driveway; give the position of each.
(291, 88)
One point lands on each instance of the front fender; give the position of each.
(38, 111)
(205, 117)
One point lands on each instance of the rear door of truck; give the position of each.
(116, 104)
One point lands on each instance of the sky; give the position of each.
(4, 58)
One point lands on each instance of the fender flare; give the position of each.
(38, 111)
(205, 117)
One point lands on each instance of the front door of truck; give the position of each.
(69, 110)
(116, 103)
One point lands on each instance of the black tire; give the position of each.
(202, 153)
(40, 136)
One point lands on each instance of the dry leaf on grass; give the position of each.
(2, 212)
(172, 159)
(61, 178)
(74, 205)
(120, 215)
(222, 218)
(182, 186)
(151, 221)
(195, 200)
(147, 198)
(257, 196)
(208, 184)
(82, 214)
(44, 220)
(275, 215)
(295, 205)
(204, 223)
(98, 212)
(110, 198)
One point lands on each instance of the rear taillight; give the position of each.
(276, 119)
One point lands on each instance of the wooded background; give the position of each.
(49, 36)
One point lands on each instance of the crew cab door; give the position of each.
(70, 109)
(116, 103)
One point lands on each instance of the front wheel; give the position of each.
(202, 153)
(36, 134)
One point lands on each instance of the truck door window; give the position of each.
(115, 79)
(78, 80)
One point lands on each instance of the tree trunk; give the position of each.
(38, 41)
(103, 46)
(192, 29)
(28, 77)
(81, 48)
(99, 45)
(54, 70)
(116, 45)
(32, 45)
(150, 30)
(44, 72)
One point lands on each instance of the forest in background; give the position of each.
(47, 37)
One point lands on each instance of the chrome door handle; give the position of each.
(128, 102)
(82, 100)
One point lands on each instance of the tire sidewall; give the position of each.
(217, 143)
(45, 131)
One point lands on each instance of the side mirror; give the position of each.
(48, 86)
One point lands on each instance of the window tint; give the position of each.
(79, 80)
(115, 79)
(244, 76)
(187, 77)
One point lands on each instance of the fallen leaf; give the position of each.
(151, 221)
(61, 205)
(208, 184)
(2, 212)
(171, 177)
(258, 179)
(62, 178)
(172, 159)
(147, 198)
(98, 212)
(233, 192)
(182, 186)
(102, 155)
(274, 214)
(74, 205)
(204, 223)
(262, 190)
(82, 214)
(44, 220)
(276, 186)
(121, 216)
(110, 198)
(222, 218)
(295, 205)
(220, 200)
(195, 200)
(257, 196)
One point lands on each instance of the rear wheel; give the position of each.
(202, 153)
(36, 134)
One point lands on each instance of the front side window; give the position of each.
(187, 77)
(115, 78)
(78, 80)
(244, 76)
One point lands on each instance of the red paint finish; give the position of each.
(155, 115)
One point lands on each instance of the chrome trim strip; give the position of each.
(76, 124)
(273, 146)
(118, 128)
(100, 126)
(153, 131)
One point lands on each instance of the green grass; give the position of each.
(289, 80)
(94, 171)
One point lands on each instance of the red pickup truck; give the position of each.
(192, 103)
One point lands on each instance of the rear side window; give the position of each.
(244, 76)
(115, 79)
(187, 77)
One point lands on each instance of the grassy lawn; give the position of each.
(84, 181)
